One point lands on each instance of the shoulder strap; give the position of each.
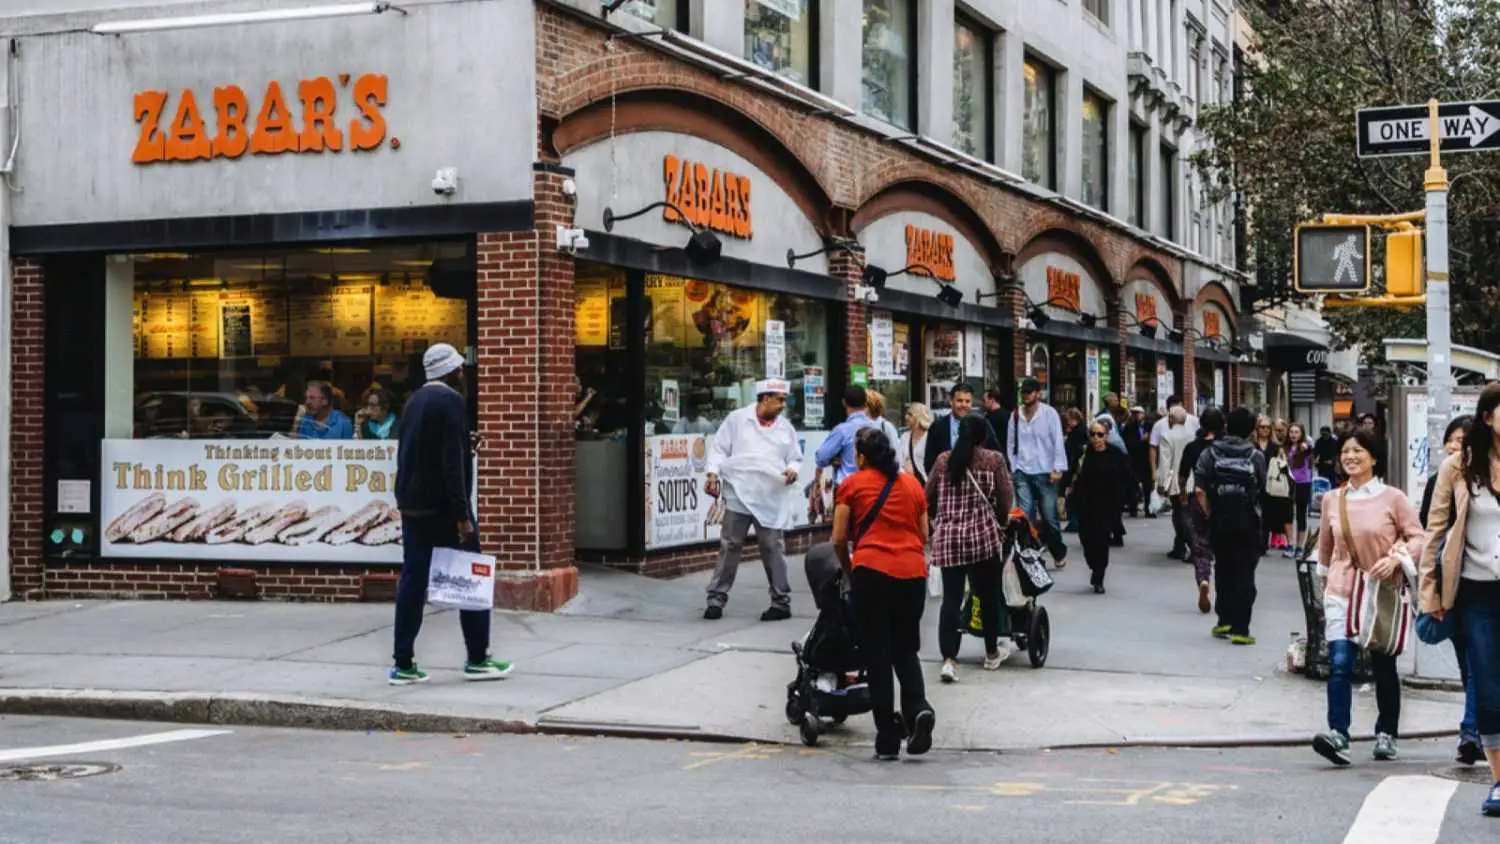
(911, 454)
(1344, 526)
(869, 519)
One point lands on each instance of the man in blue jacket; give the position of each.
(434, 482)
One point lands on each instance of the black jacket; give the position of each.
(435, 459)
(939, 440)
(1099, 482)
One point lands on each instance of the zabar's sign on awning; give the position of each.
(317, 115)
(709, 197)
(930, 253)
(1065, 289)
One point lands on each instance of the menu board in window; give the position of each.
(235, 321)
(170, 325)
(410, 317)
(332, 323)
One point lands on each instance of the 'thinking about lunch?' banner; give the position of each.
(680, 512)
(264, 500)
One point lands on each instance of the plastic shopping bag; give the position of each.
(759, 483)
(934, 581)
(1158, 505)
(1010, 585)
(461, 580)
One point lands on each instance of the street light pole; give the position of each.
(1439, 340)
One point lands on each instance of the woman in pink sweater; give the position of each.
(1387, 538)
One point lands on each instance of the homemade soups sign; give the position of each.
(277, 500)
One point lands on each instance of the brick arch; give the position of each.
(1070, 241)
(923, 195)
(1147, 268)
(689, 112)
(1217, 293)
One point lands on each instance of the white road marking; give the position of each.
(86, 747)
(1403, 810)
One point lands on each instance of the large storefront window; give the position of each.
(778, 37)
(894, 355)
(1067, 377)
(311, 343)
(889, 71)
(973, 72)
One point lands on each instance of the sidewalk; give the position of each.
(632, 656)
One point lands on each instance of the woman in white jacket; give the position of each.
(913, 444)
(1174, 443)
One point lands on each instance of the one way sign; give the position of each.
(1403, 130)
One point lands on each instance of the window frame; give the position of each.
(1167, 155)
(1137, 134)
(1106, 108)
(814, 63)
(1104, 6)
(969, 22)
(1050, 74)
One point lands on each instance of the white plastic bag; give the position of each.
(934, 581)
(1157, 504)
(759, 483)
(1010, 585)
(461, 580)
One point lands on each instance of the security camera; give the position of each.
(569, 187)
(445, 183)
(572, 241)
(866, 294)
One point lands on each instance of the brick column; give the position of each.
(850, 268)
(28, 351)
(1189, 359)
(1232, 387)
(524, 354)
(1122, 350)
(1013, 298)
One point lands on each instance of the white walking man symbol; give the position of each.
(1346, 253)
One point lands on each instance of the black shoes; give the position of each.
(921, 733)
(714, 612)
(776, 612)
(1469, 752)
(1098, 589)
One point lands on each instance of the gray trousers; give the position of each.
(732, 545)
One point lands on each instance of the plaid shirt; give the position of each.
(965, 530)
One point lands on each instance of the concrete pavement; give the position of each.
(632, 656)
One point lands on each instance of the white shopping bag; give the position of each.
(934, 581)
(461, 580)
(1010, 585)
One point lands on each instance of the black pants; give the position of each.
(889, 614)
(1235, 560)
(1301, 501)
(983, 579)
(1095, 538)
(1182, 529)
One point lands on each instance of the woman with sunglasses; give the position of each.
(375, 419)
(1098, 491)
(1275, 509)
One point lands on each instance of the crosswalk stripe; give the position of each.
(21, 753)
(1403, 810)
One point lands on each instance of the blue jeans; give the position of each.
(419, 535)
(1468, 728)
(1478, 609)
(1036, 495)
(1343, 653)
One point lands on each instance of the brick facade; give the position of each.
(27, 391)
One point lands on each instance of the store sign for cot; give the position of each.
(307, 119)
(706, 197)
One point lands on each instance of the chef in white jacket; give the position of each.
(753, 465)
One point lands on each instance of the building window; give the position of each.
(1039, 125)
(973, 88)
(779, 36)
(1095, 151)
(890, 72)
(1195, 59)
(1099, 9)
(668, 14)
(1168, 192)
(1136, 214)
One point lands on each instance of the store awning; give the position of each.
(1288, 352)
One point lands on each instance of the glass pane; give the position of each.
(663, 13)
(1168, 191)
(1036, 129)
(897, 390)
(320, 343)
(1095, 151)
(971, 75)
(1137, 142)
(778, 37)
(887, 61)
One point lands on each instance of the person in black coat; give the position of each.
(941, 437)
(1098, 490)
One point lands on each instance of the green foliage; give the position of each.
(1287, 144)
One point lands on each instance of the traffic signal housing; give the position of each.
(1331, 258)
(1403, 263)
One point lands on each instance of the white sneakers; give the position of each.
(949, 674)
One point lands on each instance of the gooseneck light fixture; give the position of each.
(340, 10)
(703, 247)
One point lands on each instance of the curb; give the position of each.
(352, 716)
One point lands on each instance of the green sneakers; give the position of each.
(1220, 631)
(407, 676)
(1238, 639)
(1385, 748)
(489, 669)
(1334, 747)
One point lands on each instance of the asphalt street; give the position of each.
(248, 784)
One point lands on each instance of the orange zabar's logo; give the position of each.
(930, 253)
(479, 569)
(1211, 324)
(1064, 289)
(1145, 309)
(708, 197)
(272, 129)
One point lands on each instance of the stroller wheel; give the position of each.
(809, 728)
(1040, 636)
(793, 708)
(839, 719)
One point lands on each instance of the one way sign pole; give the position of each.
(1405, 130)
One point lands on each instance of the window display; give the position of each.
(972, 73)
(778, 37)
(313, 343)
(892, 345)
(1095, 151)
(1038, 128)
(888, 48)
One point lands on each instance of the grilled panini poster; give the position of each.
(265, 500)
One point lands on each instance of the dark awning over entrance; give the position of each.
(1289, 352)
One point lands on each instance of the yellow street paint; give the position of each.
(1016, 789)
(1092, 792)
(749, 752)
(403, 766)
(963, 808)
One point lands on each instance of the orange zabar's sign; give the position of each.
(708, 197)
(1064, 289)
(1211, 324)
(271, 129)
(1145, 309)
(930, 253)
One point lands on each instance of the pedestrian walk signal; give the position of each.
(1331, 258)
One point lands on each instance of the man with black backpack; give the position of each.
(1229, 479)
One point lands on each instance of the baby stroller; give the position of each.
(831, 682)
(1027, 623)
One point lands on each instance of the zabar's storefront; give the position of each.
(684, 300)
(937, 324)
(1214, 355)
(1070, 346)
(1153, 353)
(219, 220)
